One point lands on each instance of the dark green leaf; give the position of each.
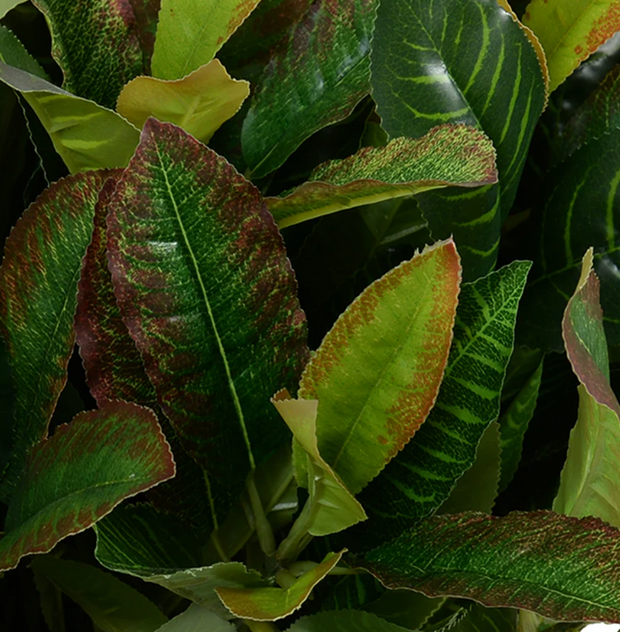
(38, 297)
(315, 79)
(422, 476)
(112, 605)
(197, 619)
(344, 621)
(404, 607)
(564, 568)
(13, 53)
(146, 13)
(7, 406)
(79, 475)
(96, 45)
(440, 61)
(205, 288)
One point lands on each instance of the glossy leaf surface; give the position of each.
(315, 79)
(97, 138)
(38, 296)
(571, 31)
(560, 567)
(199, 103)
(377, 373)
(422, 476)
(580, 211)
(80, 474)
(190, 32)
(198, 265)
(331, 505)
(344, 621)
(95, 44)
(197, 619)
(456, 61)
(587, 486)
(112, 605)
(446, 156)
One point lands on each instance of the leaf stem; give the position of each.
(215, 539)
(298, 537)
(263, 528)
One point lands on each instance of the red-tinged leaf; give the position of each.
(38, 296)
(146, 13)
(95, 42)
(377, 373)
(567, 569)
(204, 285)
(79, 475)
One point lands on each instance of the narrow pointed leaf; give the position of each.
(199, 103)
(271, 604)
(334, 507)
(197, 619)
(190, 32)
(422, 476)
(457, 61)
(587, 485)
(513, 425)
(80, 474)
(571, 31)
(315, 79)
(344, 621)
(112, 605)
(377, 373)
(446, 156)
(205, 288)
(563, 568)
(580, 211)
(38, 296)
(96, 137)
(97, 47)
(13, 53)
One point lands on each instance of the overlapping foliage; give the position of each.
(328, 349)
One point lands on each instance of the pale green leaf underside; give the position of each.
(7, 5)
(344, 621)
(197, 619)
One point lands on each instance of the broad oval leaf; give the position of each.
(571, 31)
(112, 605)
(377, 372)
(458, 61)
(38, 297)
(190, 32)
(587, 486)
(205, 288)
(564, 568)
(85, 134)
(271, 604)
(449, 155)
(79, 475)
(197, 619)
(97, 47)
(314, 79)
(199, 103)
(424, 473)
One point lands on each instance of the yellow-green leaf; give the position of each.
(199, 103)
(570, 31)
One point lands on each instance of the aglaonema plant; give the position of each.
(363, 185)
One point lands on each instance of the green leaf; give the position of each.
(513, 425)
(477, 489)
(449, 155)
(315, 79)
(422, 476)
(7, 5)
(271, 604)
(571, 31)
(344, 621)
(579, 212)
(199, 265)
(112, 605)
(96, 47)
(563, 568)
(377, 373)
(8, 398)
(199, 103)
(86, 135)
(587, 486)
(38, 296)
(146, 13)
(197, 619)
(331, 506)
(13, 53)
(80, 474)
(190, 32)
(458, 61)
(404, 607)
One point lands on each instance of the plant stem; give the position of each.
(215, 539)
(298, 537)
(263, 528)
